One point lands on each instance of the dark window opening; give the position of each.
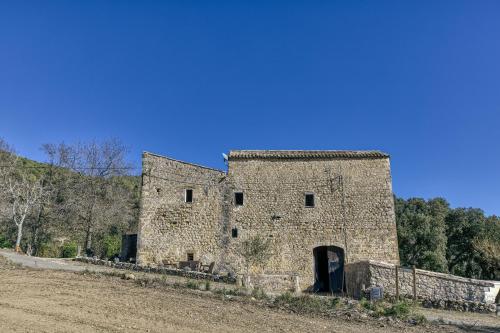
(309, 200)
(190, 257)
(189, 195)
(158, 190)
(238, 198)
(234, 232)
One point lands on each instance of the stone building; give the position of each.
(318, 210)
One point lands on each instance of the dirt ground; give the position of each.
(34, 300)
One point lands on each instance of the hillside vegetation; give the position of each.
(86, 196)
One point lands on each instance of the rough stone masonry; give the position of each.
(301, 201)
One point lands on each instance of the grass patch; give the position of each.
(376, 309)
(400, 309)
(306, 303)
(191, 284)
(335, 303)
(258, 293)
(231, 292)
(420, 319)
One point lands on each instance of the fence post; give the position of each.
(414, 283)
(397, 283)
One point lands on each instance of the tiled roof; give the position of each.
(304, 154)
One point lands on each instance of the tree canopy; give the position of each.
(461, 241)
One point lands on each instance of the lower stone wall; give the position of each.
(159, 270)
(430, 286)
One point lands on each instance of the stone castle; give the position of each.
(318, 210)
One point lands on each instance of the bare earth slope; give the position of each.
(56, 301)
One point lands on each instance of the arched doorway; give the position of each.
(328, 269)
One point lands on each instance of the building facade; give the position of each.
(317, 210)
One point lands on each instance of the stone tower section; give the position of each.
(352, 207)
(181, 206)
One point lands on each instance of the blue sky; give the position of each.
(191, 79)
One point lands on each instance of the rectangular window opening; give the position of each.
(309, 200)
(234, 232)
(190, 256)
(238, 198)
(189, 195)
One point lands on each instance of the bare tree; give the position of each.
(93, 199)
(21, 189)
(51, 209)
(25, 193)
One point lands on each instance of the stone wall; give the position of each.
(158, 270)
(169, 227)
(430, 286)
(274, 207)
(353, 210)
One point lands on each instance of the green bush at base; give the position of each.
(112, 245)
(4, 242)
(69, 250)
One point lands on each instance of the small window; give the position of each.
(309, 200)
(189, 196)
(234, 232)
(238, 198)
(190, 256)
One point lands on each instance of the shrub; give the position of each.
(49, 250)
(259, 293)
(304, 303)
(285, 298)
(5, 242)
(112, 245)
(335, 302)
(400, 309)
(192, 284)
(69, 250)
(256, 251)
(208, 285)
(365, 304)
(420, 319)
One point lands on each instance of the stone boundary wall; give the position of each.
(433, 288)
(159, 270)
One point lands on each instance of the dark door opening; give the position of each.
(129, 247)
(328, 269)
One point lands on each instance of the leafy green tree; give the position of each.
(421, 232)
(473, 243)
(489, 248)
(463, 225)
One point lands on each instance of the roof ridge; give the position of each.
(183, 162)
(292, 154)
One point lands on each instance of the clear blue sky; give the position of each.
(419, 80)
